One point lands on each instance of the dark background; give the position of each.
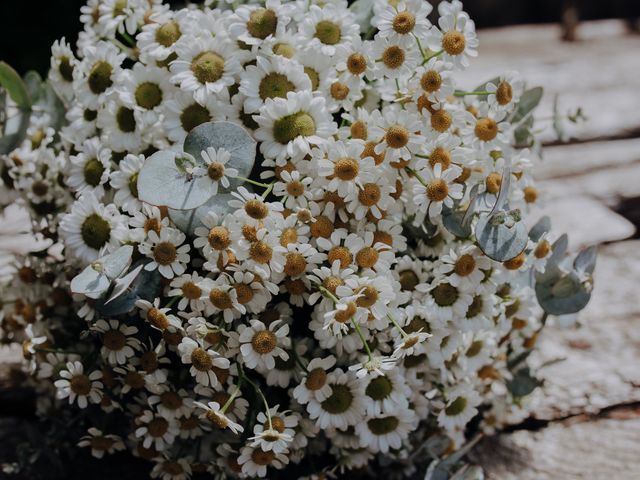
(29, 27)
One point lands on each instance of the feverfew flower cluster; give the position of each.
(321, 315)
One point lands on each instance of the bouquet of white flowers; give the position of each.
(283, 242)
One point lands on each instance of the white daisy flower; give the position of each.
(125, 181)
(387, 431)
(343, 407)
(166, 252)
(63, 63)
(289, 126)
(329, 29)
(215, 413)
(271, 78)
(89, 170)
(462, 401)
(465, 267)
(144, 89)
(101, 443)
(91, 227)
(456, 39)
(314, 383)
(275, 431)
(252, 24)
(118, 340)
(435, 188)
(78, 386)
(404, 22)
(95, 75)
(216, 169)
(204, 363)
(254, 461)
(259, 344)
(182, 113)
(205, 66)
(155, 430)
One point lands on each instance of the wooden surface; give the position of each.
(588, 424)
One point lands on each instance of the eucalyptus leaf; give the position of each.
(529, 100)
(90, 283)
(95, 279)
(505, 186)
(15, 86)
(586, 260)
(33, 83)
(541, 227)
(15, 131)
(500, 241)
(233, 138)
(453, 220)
(162, 182)
(122, 284)
(523, 383)
(189, 220)
(563, 293)
(483, 87)
(558, 250)
(145, 286)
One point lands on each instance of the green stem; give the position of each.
(232, 397)
(418, 176)
(173, 301)
(257, 389)
(364, 342)
(459, 93)
(268, 190)
(253, 182)
(433, 55)
(402, 332)
(419, 46)
(129, 39)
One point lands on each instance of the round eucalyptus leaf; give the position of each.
(233, 138)
(500, 241)
(165, 180)
(562, 294)
(189, 220)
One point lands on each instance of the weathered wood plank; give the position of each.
(599, 72)
(582, 158)
(602, 357)
(587, 221)
(600, 449)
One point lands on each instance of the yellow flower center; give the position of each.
(404, 22)
(437, 190)
(264, 341)
(453, 42)
(164, 253)
(393, 57)
(208, 67)
(486, 129)
(465, 265)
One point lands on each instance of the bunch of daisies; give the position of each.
(332, 309)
